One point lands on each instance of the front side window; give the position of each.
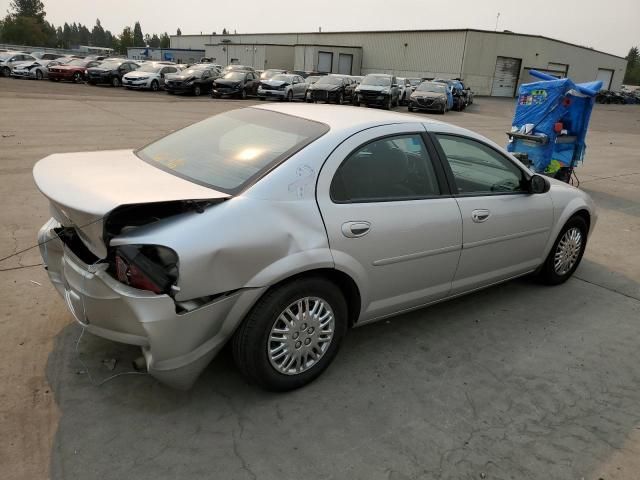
(388, 169)
(479, 169)
(227, 151)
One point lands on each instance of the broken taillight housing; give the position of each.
(146, 267)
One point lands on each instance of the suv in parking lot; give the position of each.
(379, 90)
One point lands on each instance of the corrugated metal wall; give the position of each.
(483, 48)
(403, 53)
(438, 53)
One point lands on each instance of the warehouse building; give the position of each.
(491, 63)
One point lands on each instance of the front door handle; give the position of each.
(355, 229)
(480, 216)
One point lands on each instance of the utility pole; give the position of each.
(497, 18)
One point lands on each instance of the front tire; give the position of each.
(292, 334)
(197, 91)
(115, 82)
(567, 252)
(39, 75)
(155, 86)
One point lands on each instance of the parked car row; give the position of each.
(242, 81)
(621, 98)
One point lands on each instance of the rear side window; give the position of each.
(230, 150)
(388, 169)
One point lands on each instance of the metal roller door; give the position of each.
(606, 76)
(345, 62)
(505, 78)
(325, 61)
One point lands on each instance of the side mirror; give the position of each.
(539, 184)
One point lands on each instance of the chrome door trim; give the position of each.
(413, 256)
(503, 238)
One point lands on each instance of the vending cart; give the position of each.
(550, 124)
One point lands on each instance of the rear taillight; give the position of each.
(146, 267)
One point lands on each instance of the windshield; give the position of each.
(229, 150)
(431, 87)
(312, 79)
(283, 78)
(234, 76)
(4, 56)
(78, 62)
(377, 80)
(329, 81)
(110, 65)
(269, 73)
(415, 82)
(37, 55)
(191, 72)
(150, 68)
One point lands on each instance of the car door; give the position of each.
(299, 87)
(165, 71)
(505, 228)
(251, 84)
(390, 220)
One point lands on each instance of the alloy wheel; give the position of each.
(301, 335)
(567, 251)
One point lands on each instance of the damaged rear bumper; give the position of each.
(176, 346)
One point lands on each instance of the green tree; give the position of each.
(224, 31)
(179, 32)
(154, 41)
(126, 40)
(632, 74)
(165, 40)
(98, 35)
(28, 8)
(138, 37)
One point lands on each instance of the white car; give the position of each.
(150, 76)
(9, 60)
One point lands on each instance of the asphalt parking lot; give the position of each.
(518, 381)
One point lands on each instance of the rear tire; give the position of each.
(255, 350)
(566, 253)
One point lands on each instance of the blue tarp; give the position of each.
(545, 103)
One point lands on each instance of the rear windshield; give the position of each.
(231, 150)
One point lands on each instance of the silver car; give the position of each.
(280, 227)
(8, 60)
(283, 87)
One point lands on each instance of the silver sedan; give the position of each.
(279, 228)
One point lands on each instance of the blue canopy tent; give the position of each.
(550, 123)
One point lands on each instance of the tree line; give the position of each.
(632, 75)
(25, 24)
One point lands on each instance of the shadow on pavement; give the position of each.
(518, 381)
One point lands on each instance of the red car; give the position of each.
(73, 71)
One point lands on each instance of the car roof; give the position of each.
(345, 118)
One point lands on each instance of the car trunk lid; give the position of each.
(85, 187)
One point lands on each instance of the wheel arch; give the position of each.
(347, 285)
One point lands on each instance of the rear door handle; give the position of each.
(355, 229)
(480, 216)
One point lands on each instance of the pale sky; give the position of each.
(611, 27)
